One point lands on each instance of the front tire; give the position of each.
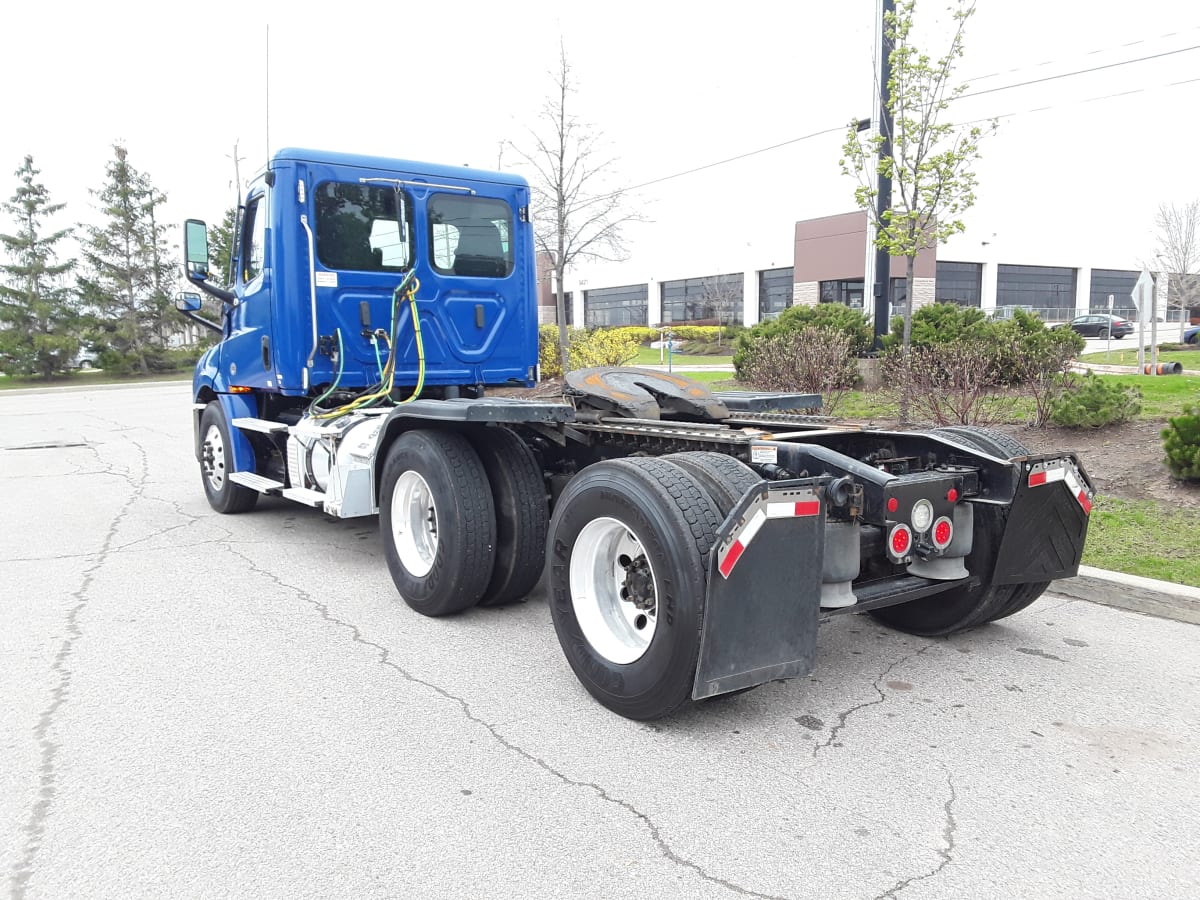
(216, 465)
(437, 521)
(629, 544)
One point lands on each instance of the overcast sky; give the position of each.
(672, 86)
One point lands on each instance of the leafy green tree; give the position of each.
(129, 274)
(38, 316)
(930, 159)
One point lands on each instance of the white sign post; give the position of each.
(1143, 299)
(1108, 343)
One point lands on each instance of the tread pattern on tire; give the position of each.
(725, 478)
(473, 566)
(518, 487)
(690, 499)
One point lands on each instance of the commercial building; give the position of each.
(829, 259)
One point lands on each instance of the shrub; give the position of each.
(585, 349)
(812, 360)
(949, 383)
(1181, 443)
(834, 316)
(942, 323)
(1041, 362)
(1096, 402)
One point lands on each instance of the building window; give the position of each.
(774, 292)
(616, 306)
(848, 293)
(712, 300)
(1120, 284)
(358, 228)
(1047, 290)
(959, 282)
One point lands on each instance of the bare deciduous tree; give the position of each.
(1178, 250)
(575, 218)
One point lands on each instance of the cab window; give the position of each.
(365, 228)
(254, 238)
(470, 236)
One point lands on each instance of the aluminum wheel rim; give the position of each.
(612, 624)
(213, 461)
(414, 524)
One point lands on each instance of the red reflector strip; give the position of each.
(731, 558)
(744, 537)
(1082, 497)
(791, 510)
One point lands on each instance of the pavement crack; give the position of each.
(949, 828)
(384, 656)
(35, 827)
(844, 716)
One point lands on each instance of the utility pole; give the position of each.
(883, 262)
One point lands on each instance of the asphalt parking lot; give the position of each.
(205, 706)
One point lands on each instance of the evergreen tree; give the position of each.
(129, 278)
(220, 248)
(37, 311)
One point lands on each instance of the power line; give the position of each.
(1050, 62)
(1115, 65)
(840, 128)
(1141, 90)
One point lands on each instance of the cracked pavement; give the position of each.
(208, 706)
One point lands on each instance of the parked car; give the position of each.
(1100, 325)
(1192, 335)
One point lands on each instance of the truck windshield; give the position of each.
(470, 236)
(358, 228)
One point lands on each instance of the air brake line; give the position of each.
(408, 288)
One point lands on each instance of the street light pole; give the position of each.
(883, 269)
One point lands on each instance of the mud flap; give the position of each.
(1047, 523)
(764, 588)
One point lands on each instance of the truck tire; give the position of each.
(725, 478)
(437, 521)
(629, 544)
(1006, 447)
(216, 465)
(522, 514)
(960, 609)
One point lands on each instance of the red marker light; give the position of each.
(941, 533)
(893, 504)
(952, 495)
(900, 540)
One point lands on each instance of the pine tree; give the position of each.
(38, 317)
(129, 278)
(220, 248)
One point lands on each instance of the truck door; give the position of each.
(246, 353)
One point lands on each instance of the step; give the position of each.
(305, 495)
(263, 425)
(257, 482)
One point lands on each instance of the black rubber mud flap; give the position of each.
(1048, 521)
(764, 588)
(645, 393)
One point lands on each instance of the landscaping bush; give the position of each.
(812, 360)
(585, 349)
(833, 316)
(1181, 443)
(951, 383)
(1096, 402)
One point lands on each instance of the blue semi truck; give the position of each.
(691, 542)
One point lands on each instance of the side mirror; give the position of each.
(188, 302)
(195, 251)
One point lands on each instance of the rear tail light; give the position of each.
(900, 541)
(943, 532)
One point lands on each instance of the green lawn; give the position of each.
(1139, 537)
(650, 357)
(85, 378)
(1127, 356)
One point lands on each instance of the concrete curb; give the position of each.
(1163, 599)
